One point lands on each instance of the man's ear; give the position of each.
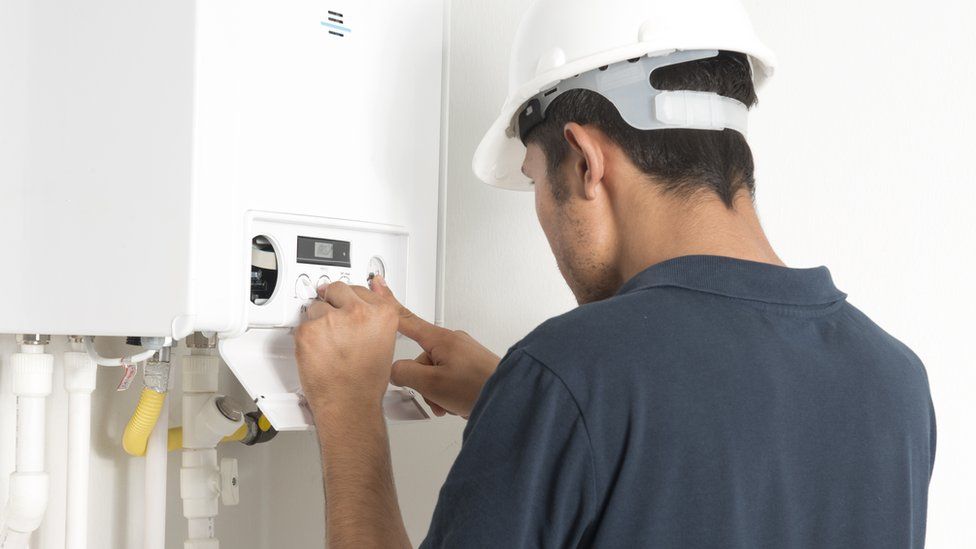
(590, 162)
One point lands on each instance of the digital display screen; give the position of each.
(325, 250)
(322, 251)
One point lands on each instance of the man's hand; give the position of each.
(450, 372)
(345, 348)
(344, 351)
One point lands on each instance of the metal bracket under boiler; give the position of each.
(264, 362)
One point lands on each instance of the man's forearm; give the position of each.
(361, 502)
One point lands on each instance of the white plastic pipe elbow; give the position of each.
(32, 371)
(27, 502)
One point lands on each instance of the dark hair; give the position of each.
(684, 161)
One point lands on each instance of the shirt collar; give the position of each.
(740, 279)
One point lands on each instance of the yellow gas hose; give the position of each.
(175, 437)
(135, 439)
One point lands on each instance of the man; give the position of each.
(702, 395)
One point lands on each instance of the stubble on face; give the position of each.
(581, 259)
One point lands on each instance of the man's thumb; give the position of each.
(410, 373)
(378, 284)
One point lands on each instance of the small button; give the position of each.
(323, 281)
(344, 279)
(304, 289)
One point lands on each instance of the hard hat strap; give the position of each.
(701, 110)
(628, 86)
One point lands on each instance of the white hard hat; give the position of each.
(562, 40)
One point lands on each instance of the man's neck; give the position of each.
(668, 227)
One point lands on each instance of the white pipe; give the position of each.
(80, 373)
(199, 473)
(102, 361)
(32, 371)
(8, 436)
(31, 419)
(203, 427)
(154, 529)
(11, 539)
(201, 528)
(441, 275)
(79, 448)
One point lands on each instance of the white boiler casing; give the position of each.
(156, 140)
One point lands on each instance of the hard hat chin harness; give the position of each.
(627, 85)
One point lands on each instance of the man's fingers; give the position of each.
(418, 329)
(409, 373)
(322, 290)
(317, 310)
(338, 295)
(437, 410)
(417, 374)
(366, 294)
(411, 325)
(334, 290)
(378, 285)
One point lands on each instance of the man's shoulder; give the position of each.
(885, 347)
(606, 330)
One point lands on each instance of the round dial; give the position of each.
(324, 280)
(304, 288)
(376, 267)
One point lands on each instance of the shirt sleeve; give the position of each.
(933, 436)
(524, 476)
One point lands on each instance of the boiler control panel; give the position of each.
(290, 258)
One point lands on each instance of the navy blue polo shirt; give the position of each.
(712, 402)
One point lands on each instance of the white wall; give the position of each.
(865, 164)
(502, 279)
